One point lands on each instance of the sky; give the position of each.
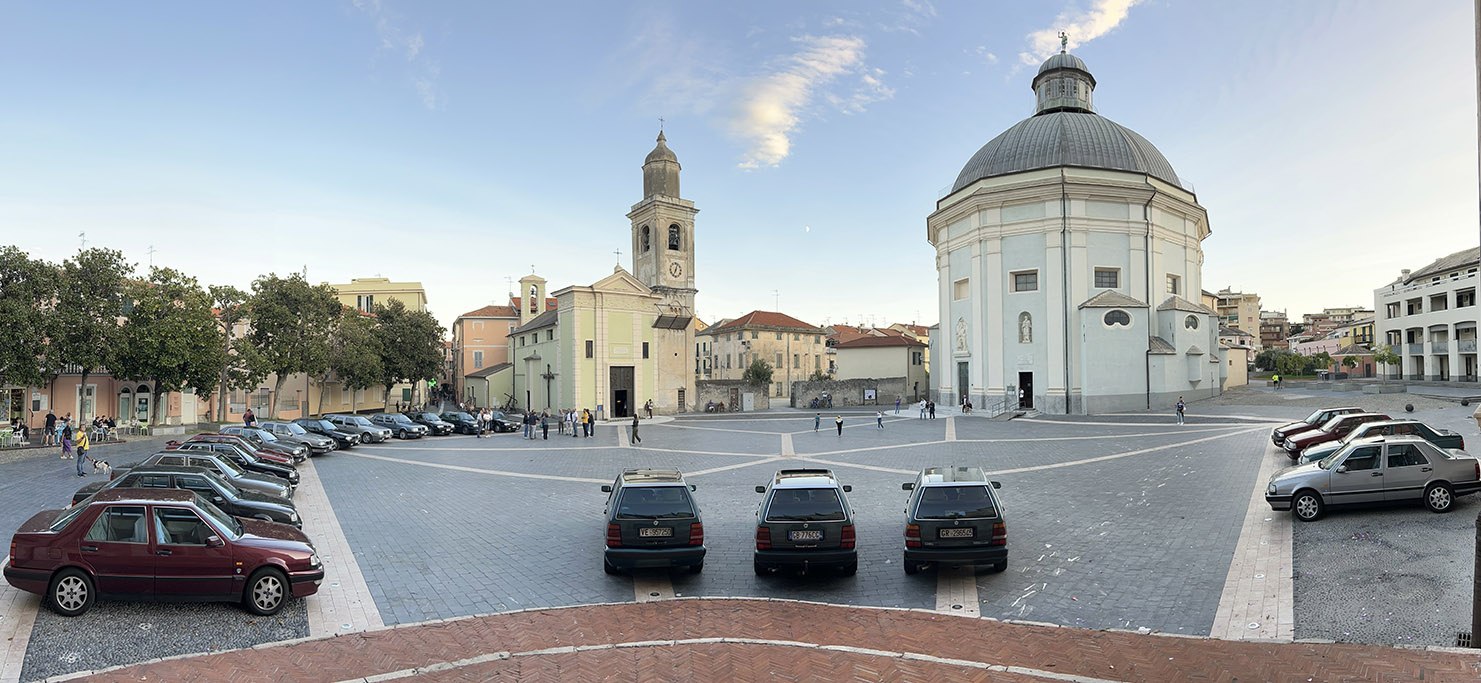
(461, 144)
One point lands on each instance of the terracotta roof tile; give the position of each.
(766, 319)
(873, 342)
(492, 312)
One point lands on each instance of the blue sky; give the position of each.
(459, 143)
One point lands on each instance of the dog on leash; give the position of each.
(101, 466)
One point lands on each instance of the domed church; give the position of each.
(1068, 254)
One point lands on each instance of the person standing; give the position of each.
(82, 445)
(586, 423)
(923, 409)
(879, 419)
(50, 437)
(817, 420)
(839, 423)
(544, 426)
(66, 438)
(649, 406)
(897, 405)
(636, 438)
(529, 423)
(932, 407)
(1181, 407)
(248, 418)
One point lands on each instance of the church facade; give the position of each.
(1068, 256)
(626, 339)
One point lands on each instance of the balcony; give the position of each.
(1467, 345)
(1440, 347)
(1415, 349)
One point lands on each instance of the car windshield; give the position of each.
(66, 517)
(401, 419)
(954, 502)
(805, 505)
(432, 417)
(220, 519)
(265, 436)
(296, 430)
(325, 425)
(654, 502)
(360, 421)
(460, 416)
(229, 466)
(1327, 462)
(1314, 417)
(1331, 425)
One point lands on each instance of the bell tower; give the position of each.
(663, 259)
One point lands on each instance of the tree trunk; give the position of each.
(82, 392)
(323, 387)
(272, 408)
(354, 401)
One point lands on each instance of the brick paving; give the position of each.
(817, 642)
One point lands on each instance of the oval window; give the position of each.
(1115, 318)
(1191, 322)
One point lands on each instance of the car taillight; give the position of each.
(999, 534)
(912, 536)
(696, 534)
(846, 539)
(614, 536)
(763, 538)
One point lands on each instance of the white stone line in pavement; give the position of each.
(1258, 600)
(689, 452)
(829, 425)
(951, 429)
(715, 429)
(855, 465)
(17, 616)
(465, 449)
(1115, 456)
(787, 449)
(652, 586)
(455, 664)
(1257, 418)
(460, 468)
(344, 603)
(1170, 426)
(956, 591)
(737, 466)
(622, 439)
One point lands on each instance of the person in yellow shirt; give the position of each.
(82, 445)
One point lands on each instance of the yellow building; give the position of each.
(365, 292)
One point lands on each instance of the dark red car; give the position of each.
(1332, 430)
(239, 442)
(159, 544)
(1312, 421)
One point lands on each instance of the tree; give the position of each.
(1384, 355)
(28, 289)
(817, 376)
(290, 321)
(758, 373)
(1351, 362)
(243, 368)
(1321, 360)
(89, 306)
(1297, 328)
(411, 345)
(1269, 359)
(169, 337)
(354, 354)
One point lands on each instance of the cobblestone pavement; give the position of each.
(724, 640)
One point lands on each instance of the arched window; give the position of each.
(1191, 322)
(674, 237)
(1117, 319)
(645, 240)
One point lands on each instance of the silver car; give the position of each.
(1376, 470)
(289, 432)
(357, 424)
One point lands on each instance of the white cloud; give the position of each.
(423, 71)
(771, 107)
(1081, 26)
(921, 7)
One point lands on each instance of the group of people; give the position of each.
(73, 439)
(927, 409)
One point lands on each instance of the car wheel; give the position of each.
(1307, 506)
(1439, 498)
(999, 567)
(849, 569)
(71, 593)
(697, 567)
(266, 593)
(608, 567)
(912, 568)
(761, 569)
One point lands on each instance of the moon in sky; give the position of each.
(807, 228)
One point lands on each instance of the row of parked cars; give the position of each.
(1348, 456)
(804, 522)
(209, 518)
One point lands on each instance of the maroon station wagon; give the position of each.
(159, 544)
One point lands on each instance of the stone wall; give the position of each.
(850, 392)
(718, 391)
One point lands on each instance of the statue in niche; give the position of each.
(961, 335)
(1025, 328)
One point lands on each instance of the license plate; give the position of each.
(655, 531)
(956, 533)
(806, 535)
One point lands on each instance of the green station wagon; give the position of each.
(652, 521)
(954, 518)
(804, 522)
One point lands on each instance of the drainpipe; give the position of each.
(1147, 282)
(1064, 280)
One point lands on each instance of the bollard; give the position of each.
(1476, 589)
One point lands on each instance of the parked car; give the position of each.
(1443, 438)
(1376, 470)
(507, 422)
(954, 519)
(804, 521)
(195, 552)
(222, 466)
(434, 424)
(1331, 430)
(239, 442)
(265, 441)
(1316, 419)
(288, 432)
(222, 493)
(358, 424)
(652, 521)
(245, 460)
(342, 439)
(462, 423)
(400, 425)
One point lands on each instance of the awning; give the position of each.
(672, 322)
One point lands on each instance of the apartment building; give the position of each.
(1428, 317)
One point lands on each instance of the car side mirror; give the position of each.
(692, 487)
(214, 542)
(997, 484)
(907, 486)
(215, 499)
(606, 488)
(1342, 469)
(760, 489)
(848, 489)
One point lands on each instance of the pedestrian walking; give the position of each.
(248, 418)
(66, 438)
(839, 422)
(923, 409)
(82, 445)
(49, 438)
(897, 405)
(544, 426)
(636, 438)
(816, 421)
(879, 419)
(1181, 407)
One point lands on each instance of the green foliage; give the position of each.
(355, 351)
(243, 367)
(1384, 355)
(290, 321)
(411, 344)
(817, 376)
(1297, 328)
(1269, 359)
(759, 373)
(89, 306)
(1351, 362)
(1321, 361)
(170, 336)
(28, 289)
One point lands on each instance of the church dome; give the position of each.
(1065, 131)
(661, 152)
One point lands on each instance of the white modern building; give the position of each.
(1066, 251)
(1428, 318)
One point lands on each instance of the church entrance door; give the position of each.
(961, 383)
(1026, 390)
(622, 391)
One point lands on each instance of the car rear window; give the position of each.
(654, 502)
(954, 502)
(805, 505)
